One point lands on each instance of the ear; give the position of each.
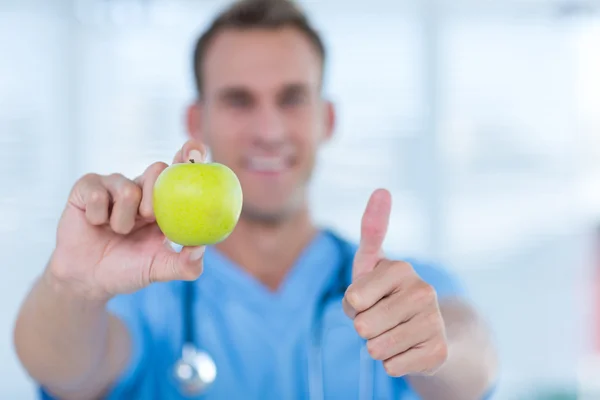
(330, 119)
(194, 121)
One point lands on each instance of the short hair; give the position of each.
(255, 14)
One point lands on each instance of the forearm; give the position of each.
(472, 363)
(72, 346)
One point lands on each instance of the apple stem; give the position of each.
(192, 160)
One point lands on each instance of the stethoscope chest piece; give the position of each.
(195, 371)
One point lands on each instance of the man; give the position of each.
(106, 318)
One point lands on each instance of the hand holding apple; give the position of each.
(108, 239)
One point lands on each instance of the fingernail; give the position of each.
(348, 309)
(196, 156)
(173, 246)
(197, 254)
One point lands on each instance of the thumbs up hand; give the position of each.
(392, 307)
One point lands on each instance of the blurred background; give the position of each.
(482, 117)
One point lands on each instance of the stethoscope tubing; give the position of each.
(315, 352)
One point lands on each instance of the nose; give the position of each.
(269, 126)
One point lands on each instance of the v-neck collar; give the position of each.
(301, 286)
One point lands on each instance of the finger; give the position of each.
(414, 332)
(146, 181)
(374, 227)
(126, 197)
(423, 359)
(185, 265)
(178, 157)
(389, 312)
(191, 150)
(90, 196)
(389, 276)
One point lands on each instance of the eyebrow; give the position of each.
(238, 90)
(295, 87)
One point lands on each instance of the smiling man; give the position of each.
(285, 308)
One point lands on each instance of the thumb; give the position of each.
(373, 230)
(176, 263)
(191, 150)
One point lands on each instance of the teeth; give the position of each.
(269, 164)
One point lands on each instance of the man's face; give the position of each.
(263, 116)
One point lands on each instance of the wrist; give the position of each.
(62, 285)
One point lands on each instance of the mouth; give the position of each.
(269, 165)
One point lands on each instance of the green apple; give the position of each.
(197, 204)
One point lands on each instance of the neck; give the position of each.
(269, 251)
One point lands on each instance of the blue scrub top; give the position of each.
(259, 339)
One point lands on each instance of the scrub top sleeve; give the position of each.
(444, 282)
(128, 309)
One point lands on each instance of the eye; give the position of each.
(236, 98)
(239, 101)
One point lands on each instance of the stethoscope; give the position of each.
(196, 370)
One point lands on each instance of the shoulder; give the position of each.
(148, 310)
(142, 313)
(147, 304)
(148, 313)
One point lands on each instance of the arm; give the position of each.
(472, 364)
(70, 345)
(412, 320)
(107, 244)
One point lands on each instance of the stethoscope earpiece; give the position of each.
(195, 371)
